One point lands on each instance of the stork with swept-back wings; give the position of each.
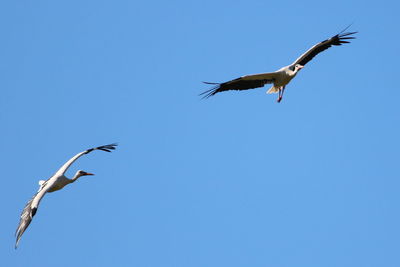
(54, 183)
(281, 77)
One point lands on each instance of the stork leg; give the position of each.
(280, 94)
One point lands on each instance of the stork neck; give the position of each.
(76, 177)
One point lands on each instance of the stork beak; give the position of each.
(300, 67)
(88, 173)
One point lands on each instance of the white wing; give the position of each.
(243, 83)
(30, 210)
(65, 167)
(337, 40)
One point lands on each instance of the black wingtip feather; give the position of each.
(346, 28)
(210, 83)
(210, 92)
(343, 35)
(339, 38)
(346, 34)
(108, 148)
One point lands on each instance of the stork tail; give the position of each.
(273, 90)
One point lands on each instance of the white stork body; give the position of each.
(281, 77)
(59, 182)
(55, 183)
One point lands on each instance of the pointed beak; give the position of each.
(88, 173)
(300, 67)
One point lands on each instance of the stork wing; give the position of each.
(338, 39)
(65, 167)
(242, 83)
(30, 211)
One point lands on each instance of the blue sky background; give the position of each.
(235, 180)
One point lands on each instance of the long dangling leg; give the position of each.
(281, 91)
(279, 96)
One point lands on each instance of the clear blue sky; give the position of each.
(235, 180)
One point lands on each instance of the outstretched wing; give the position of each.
(337, 40)
(242, 83)
(64, 168)
(30, 211)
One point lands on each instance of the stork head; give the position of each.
(298, 67)
(81, 173)
(78, 174)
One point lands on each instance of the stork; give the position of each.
(283, 76)
(54, 183)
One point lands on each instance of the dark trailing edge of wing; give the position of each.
(25, 220)
(336, 40)
(34, 211)
(237, 84)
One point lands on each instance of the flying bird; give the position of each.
(283, 76)
(54, 183)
